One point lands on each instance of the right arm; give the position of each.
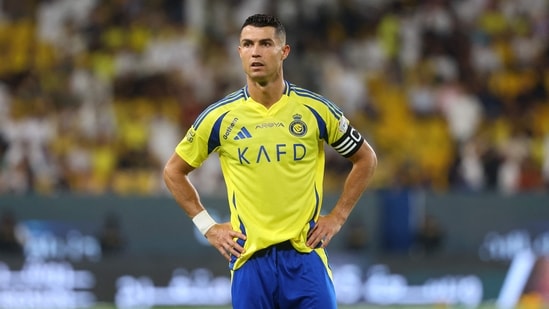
(221, 236)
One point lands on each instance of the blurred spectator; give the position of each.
(492, 105)
(470, 168)
(545, 161)
(345, 85)
(514, 151)
(5, 102)
(163, 132)
(421, 95)
(491, 162)
(530, 178)
(8, 241)
(4, 179)
(462, 110)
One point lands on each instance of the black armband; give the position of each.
(349, 143)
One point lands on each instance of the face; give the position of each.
(262, 53)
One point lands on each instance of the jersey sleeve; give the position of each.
(348, 139)
(345, 139)
(336, 128)
(193, 148)
(203, 138)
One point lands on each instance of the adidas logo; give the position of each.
(242, 134)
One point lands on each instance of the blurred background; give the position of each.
(452, 95)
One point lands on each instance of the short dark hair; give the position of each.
(264, 20)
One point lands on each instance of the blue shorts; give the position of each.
(281, 277)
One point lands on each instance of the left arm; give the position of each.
(364, 164)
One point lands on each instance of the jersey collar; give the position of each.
(286, 90)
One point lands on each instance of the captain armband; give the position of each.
(203, 221)
(349, 143)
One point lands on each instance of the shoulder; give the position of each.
(219, 108)
(314, 101)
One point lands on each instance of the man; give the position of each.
(270, 136)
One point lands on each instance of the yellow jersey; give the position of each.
(272, 161)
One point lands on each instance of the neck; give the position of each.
(266, 93)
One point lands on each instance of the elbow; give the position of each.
(175, 170)
(170, 171)
(373, 160)
(166, 174)
(367, 163)
(370, 159)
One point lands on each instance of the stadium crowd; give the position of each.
(94, 94)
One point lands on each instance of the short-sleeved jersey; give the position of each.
(272, 161)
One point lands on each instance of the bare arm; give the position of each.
(176, 178)
(364, 164)
(221, 236)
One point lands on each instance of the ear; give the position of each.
(285, 51)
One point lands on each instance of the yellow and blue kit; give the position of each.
(273, 163)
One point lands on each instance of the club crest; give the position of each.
(297, 127)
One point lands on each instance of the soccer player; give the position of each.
(269, 137)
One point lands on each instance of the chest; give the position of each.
(286, 135)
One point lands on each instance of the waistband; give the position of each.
(283, 246)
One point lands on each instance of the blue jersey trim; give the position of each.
(241, 242)
(246, 92)
(237, 95)
(287, 88)
(213, 140)
(309, 94)
(323, 131)
(312, 222)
